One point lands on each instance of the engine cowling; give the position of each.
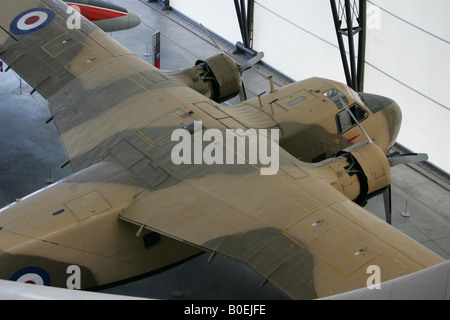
(359, 172)
(216, 77)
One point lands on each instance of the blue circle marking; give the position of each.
(32, 274)
(31, 20)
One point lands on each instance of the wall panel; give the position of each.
(407, 56)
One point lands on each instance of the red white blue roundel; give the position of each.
(32, 275)
(31, 20)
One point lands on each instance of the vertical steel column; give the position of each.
(250, 15)
(165, 2)
(166, 5)
(337, 26)
(245, 19)
(244, 24)
(351, 44)
(240, 18)
(354, 67)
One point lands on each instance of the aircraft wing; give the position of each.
(293, 228)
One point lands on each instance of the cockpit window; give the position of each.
(345, 121)
(358, 98)
(338, 98)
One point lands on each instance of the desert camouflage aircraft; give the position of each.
(107, 16)
(129, 208)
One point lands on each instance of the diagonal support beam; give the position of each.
(348, 12)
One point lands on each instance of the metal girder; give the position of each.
(245, 18)
(354, 17)
(165, 2)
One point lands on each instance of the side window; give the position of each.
(345, 121)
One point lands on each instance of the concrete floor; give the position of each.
(31, 153)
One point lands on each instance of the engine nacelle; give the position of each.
(216, 77)
(359, 172)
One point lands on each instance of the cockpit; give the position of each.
(344, 120)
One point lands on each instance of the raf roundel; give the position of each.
(32, 275)
(31, 20)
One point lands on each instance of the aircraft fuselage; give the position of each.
(313, 123)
